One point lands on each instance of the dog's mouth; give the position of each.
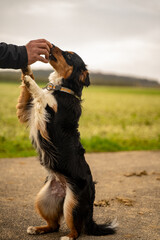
(51, 56)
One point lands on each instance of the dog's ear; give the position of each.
(84, 78)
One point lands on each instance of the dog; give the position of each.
(52, 115)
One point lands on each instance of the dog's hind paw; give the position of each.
(31, 230)
(66, 238)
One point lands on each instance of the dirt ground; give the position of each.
(128, 187)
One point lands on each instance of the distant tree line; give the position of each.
(96, 79)
(116, 80)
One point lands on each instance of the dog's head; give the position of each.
(71, 68)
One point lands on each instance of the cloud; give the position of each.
(112, 35)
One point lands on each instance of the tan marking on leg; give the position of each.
(69, 205)
(50, 209)
(55, 108)
(24, 97)
(43, 132)
(23, 100)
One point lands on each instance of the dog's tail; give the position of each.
(92, 228)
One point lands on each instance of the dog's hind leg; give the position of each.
(50, 208)
(25, 97)
(70, 204)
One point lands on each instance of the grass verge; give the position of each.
(113, 119)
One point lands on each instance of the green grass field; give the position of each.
(113, 119)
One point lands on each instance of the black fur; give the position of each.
(64, 153)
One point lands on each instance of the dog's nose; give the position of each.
(51, 55)
(53, 46)
(51, 50)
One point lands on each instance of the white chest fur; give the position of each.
(39, 115)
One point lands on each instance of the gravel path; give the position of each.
(128, 187)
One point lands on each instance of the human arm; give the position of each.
(12, 56)
(16, 57)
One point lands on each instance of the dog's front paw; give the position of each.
(31, 230)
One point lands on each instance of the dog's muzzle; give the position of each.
(51, 56)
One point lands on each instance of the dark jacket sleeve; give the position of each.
(12, 56)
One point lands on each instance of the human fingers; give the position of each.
(42, 51)
(42, 59)
(35, 48)
(43, 46)
(43, 41)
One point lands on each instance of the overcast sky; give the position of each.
(112, 36)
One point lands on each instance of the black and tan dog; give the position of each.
(52, 115)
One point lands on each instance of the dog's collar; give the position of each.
(52, 87)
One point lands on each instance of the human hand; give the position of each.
(36, 48)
